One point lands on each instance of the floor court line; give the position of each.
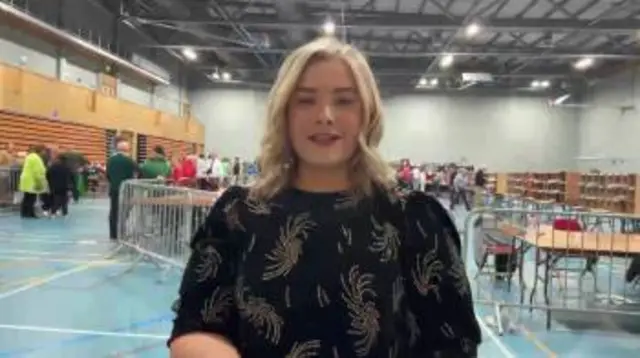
(49, 278)
(45, 253)
(506, 351)
(83, 332)
(61, 259)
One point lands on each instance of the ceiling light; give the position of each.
(472, 29)
(446, 61)
(329, 27)
(422, 82)
(215, 75)
(535, 84)
(545, 84)
(583, 63)
(433, 82)
(189, 54)
(226, 76)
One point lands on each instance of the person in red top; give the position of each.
(184, 173)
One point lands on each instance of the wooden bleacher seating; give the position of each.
(24, 131)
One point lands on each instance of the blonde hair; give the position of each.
(368, 169)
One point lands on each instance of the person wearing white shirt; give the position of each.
(201, 172)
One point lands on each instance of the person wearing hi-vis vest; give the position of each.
(33, 181)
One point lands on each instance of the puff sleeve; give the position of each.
(206, 298)
(441, 315)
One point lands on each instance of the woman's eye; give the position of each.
(306, 101)
(344, 101)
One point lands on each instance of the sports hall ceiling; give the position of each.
(550, 44)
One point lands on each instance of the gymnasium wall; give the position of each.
(506, 133)
(610, 123)
(89, 20)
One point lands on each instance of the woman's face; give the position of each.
(325, 115)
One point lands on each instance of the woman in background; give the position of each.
(319, 258)
(60, 179)
(33, 181)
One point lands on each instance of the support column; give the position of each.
(61, 61)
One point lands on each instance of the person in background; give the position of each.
(33, 181)
(201, 172)
(217, 170)
(120, 167)
(459, 189)
(60, 179)
(417, 178)
(156, 166)
(235, 171)
(479, 183)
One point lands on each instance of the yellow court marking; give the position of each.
(527, 334)
(538, 343)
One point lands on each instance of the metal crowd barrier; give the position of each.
(536, 267)
(156, 222)
(9, 180)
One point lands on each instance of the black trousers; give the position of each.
(60, 201)
(459, 195)
(47, 201)
(114, 210)
(27, 206)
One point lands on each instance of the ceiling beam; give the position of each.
(483, 52)
(395, 21)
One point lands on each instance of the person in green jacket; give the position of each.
(33, 181)
(156, 166)
(120, 167)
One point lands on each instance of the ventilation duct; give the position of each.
(13, 16)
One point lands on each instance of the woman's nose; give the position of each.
(326, 115)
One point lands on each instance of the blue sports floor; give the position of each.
(61, 296)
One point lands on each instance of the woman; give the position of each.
(317, 258)
(33, 181)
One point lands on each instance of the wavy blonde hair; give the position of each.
(369, 170)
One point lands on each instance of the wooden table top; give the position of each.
(545, 237)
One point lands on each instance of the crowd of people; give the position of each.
(465, 184)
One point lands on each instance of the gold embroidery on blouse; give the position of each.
(427, 272)
(347, 202)
(457, 271)
(386, 241)
(346, 232)
(358, 294)
(288, 247)
(397, 294)
(306, 349)
(414, 328)
(393, 350)
(287, 296)
(258, 207)
(323, 298)
(467, 345)
(232, 213)
(334, 350)
(261, 315)
(216, 306)
(252, 243)
(447, 331)
(209, 263)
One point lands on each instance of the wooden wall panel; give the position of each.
(173, 148)
(24, 131)
(34, 94)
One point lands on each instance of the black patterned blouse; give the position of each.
(326, 275)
